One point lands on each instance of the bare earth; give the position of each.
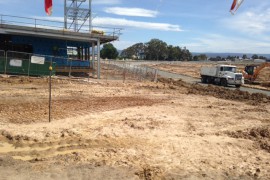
(132, 130)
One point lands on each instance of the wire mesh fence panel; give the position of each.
(27, 64)
(2, 61)
(121, 70)
(17, 63)
(39, 65)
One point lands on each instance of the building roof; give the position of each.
(55, 34)
(23, 26)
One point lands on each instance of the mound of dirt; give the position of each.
(264, 75)
(260, 135)
(252, 134)
(219, 92)
(238, 95)
(179, 83)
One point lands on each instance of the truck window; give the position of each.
(231, 69)
(221, 68)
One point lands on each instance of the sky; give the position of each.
(198, 25)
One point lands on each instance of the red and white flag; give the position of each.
(235, 5)
(48, 7)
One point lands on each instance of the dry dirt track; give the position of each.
(132, 130)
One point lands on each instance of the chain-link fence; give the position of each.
(121, 70)
(20, 63)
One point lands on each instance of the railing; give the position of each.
(53, 25)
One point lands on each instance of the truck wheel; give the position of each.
(208, 80)
(203, 79)
(238, 86)
(224, 82)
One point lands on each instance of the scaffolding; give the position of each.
(76, 13)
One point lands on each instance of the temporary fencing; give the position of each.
(121, 70)
(12, 62)
(2, 61)
(21, 63)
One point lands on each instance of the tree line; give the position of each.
(157, 49)
(233, 58)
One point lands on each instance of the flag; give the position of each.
(48, 7)
(235, 5)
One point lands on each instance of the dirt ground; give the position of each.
(105, 129)
(192, 69)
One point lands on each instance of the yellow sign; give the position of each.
(50, 68)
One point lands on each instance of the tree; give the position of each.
(136, 50)
(174, 53)
(262, 57)
(202, 57)
(186, 55)
(195, 58)
(255, 56)
(108, 51)
(244, 56)
(156, 50)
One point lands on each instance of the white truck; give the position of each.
(222, 74)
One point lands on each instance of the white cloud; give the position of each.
(125, 11)
(106, 1)
(116, 22)
(254, 21)
(219, 43)
(109, 23)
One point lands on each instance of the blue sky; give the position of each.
(199, 25)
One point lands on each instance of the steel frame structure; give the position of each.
(76, 14)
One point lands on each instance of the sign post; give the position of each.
(50, 92)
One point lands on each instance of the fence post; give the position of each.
(6, 63)
(156, 75)
(107, 68)
(29, 65)
(124, 72)
(70, 64)
(146, 70)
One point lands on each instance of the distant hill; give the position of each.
(224, 55)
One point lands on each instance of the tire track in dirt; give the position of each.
(42, 150)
